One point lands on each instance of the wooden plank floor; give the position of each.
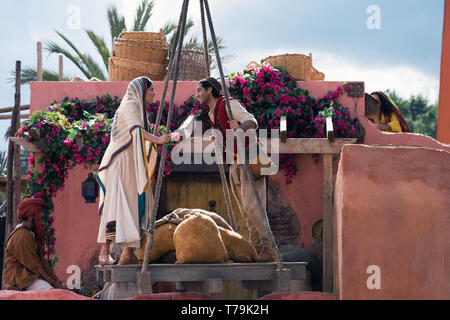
(257, 271)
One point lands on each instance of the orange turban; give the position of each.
(32, 207)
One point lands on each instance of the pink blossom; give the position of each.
(175, 136)
(68, 142)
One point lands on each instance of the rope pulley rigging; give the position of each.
(174, 63)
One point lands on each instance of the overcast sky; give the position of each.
(401, 50)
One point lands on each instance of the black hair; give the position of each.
(386, 105)
(148, 82)
(215, 85)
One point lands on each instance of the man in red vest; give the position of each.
(209, 92)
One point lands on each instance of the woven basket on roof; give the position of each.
(192, 65)
(142, 35)
(122, 70)
(149, 67)
(152, 43)
(317, 75)
(135, 51)
(299, 66)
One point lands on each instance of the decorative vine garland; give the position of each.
(73, 131)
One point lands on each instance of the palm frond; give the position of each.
(3, 162)
(189, 25)
(30, 74)
(168, 28)
(52, 47)
(94, 68)
(143, 14)
(100, 44)
(116, 21)
(220, 44)
(192, 44)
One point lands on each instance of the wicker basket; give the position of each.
(299, 66)
(143, 36)
(147, 67)
(151, 43)
(192, 65)
(317, 75)
(126, 50)
(124, 70)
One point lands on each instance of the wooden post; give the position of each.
(39, 61)
(327, 222)
(61, 74)
(283, 129)
(15, 117)
(329, 129)
(10, 195)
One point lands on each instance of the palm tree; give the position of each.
(3, 162)
(193, 43)
(30, 74)
(87, 64)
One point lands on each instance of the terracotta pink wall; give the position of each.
(76, 222)
(392, 211)
(304, 194)
(44, 93)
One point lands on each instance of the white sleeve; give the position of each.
(240, 113)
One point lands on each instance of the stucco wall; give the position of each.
(76, 223)
(392, 211)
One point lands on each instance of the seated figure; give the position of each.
(389, 118)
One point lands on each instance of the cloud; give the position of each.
(406, 80)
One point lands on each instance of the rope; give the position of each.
(151, 228)
(223, 178)
(205, 39)
(169, 71)
(220, 162)
(103, 290)
(262, 211)
(219, 62)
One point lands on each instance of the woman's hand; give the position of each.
(164, 139)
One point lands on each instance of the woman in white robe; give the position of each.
(125, 173)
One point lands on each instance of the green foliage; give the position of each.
(30, 74)
(143, 14)
(420, 115)
(115, 20)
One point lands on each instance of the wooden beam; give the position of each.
(283, 129)
(4, 183)
(311, 145)
(39, 61)
(10, 109)
(29, 147)
(61, 74)
(292, 145)
(9, 116)
(327, 186)
(329, 128)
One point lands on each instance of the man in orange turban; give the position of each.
(26, 267)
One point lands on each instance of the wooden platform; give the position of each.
(205, 278)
